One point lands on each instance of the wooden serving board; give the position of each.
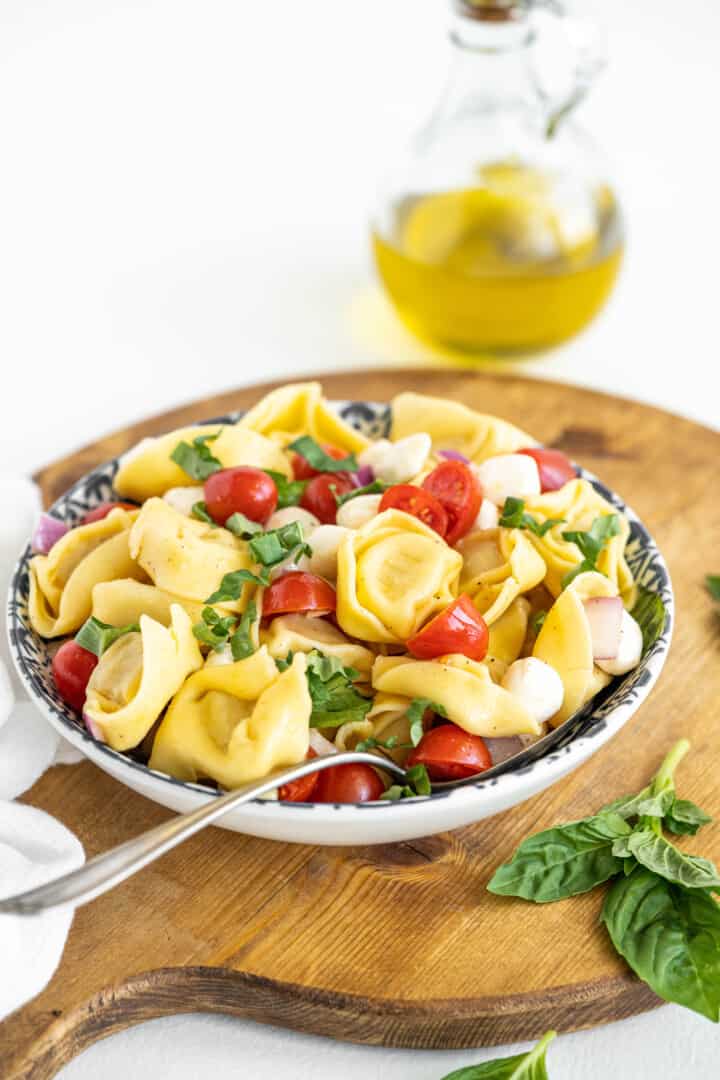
(397, 945)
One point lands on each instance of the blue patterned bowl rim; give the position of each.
(588, 729)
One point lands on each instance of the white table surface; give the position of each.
(183, 205)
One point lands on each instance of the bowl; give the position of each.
(369, 823)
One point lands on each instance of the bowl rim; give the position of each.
(597, 722)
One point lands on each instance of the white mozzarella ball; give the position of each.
(488, 516)
(288, 514)
(536, 685)
(325, 543)
(508, 476)
(183, 499)
(358, 511)
(629, 649)
(396, 463)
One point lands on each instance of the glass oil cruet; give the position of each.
(499, 231)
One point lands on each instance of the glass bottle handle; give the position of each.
(560, 34)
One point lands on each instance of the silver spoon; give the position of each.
(105, 871)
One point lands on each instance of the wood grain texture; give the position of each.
(397, 945)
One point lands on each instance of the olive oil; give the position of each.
(516, 262)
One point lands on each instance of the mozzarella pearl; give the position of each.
(508, 476)
(488, 516)
(629, 648)
(536, 685)
(183, 499)
(358, 511)
(325, 543)
(288, 514)
(396, 463)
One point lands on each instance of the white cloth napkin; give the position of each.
(34, 847)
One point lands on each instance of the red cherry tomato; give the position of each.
(421, 504)
(244, 490)
(319, 495)
(303, 470)
(298, 592)
(72, 667)
(301, 790)
(554, 467)
(104, 509)
(460, 628)
(449, 753)
(352, 783)
(455, 486)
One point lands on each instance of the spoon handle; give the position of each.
(103, 872)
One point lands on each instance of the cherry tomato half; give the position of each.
(72, 667)
(460, 628)
(298, 592)
(421, 504)
(301, 790)
(353, 783)
(319, 495)
(449, 753)
(554, 467)
(104, 509)
(457, 489)
(303, 470)
(243, 490)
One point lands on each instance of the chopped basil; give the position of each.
(392, 743)
(283, 665)
(214, 629)
(514, 517)
(418, 784)
(96, 636)
(196, 458)
(335, 700)
(242, 526)
(591, 544)
(200, 511)
(415, 713)
(316, 457)
(376, 488)
(232, 584)
(290, 492)
(241, 642)
(271, 548)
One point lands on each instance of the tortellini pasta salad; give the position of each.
(282, 587)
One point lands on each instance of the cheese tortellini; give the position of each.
(304, 633)
(453, 426)
(498, 566)
(292, 411)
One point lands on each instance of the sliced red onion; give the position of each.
(48, 531)
(604, 615)
(453, 455)
(364, 476)
(502, 749)
(92, 727)
(320, 744)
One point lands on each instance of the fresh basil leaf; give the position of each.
(712, 584)
(196, 458)
(669, 936)
(530, 1066)
(684, 818)
(562, 861)
(335, 700)
(656, 853)
(416, 713)
(376, 488)
(316, 457)
(97, 636)
(241, 643)
(271, 548)
(242, 526)
(290, 492)
(644, 804)
(200, 511)
(513, 516)
(232, 585)
(418, 784)
(650, 615)
(591, 543)
(214, 629)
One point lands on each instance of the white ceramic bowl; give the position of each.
(369, 823)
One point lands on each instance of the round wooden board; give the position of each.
(398, 945)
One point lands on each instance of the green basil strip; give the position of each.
(335, 701)
(316, 457)
(271, 548)
(97, 636)
(196, 459)
(514, 517)
(242, 526)
(416, 713)
(290, 492)
(241, 641)
(200, 511)
(232, 585)
(376, 488)
(591, 543)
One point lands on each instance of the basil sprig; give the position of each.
(530, 1066)
(196, 458)
(97, 636)
(290, 492)
(591, 543)
(659, 911)
(318, 459)
(335, 700)
(513, 516)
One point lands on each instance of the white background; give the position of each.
(184, 194)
